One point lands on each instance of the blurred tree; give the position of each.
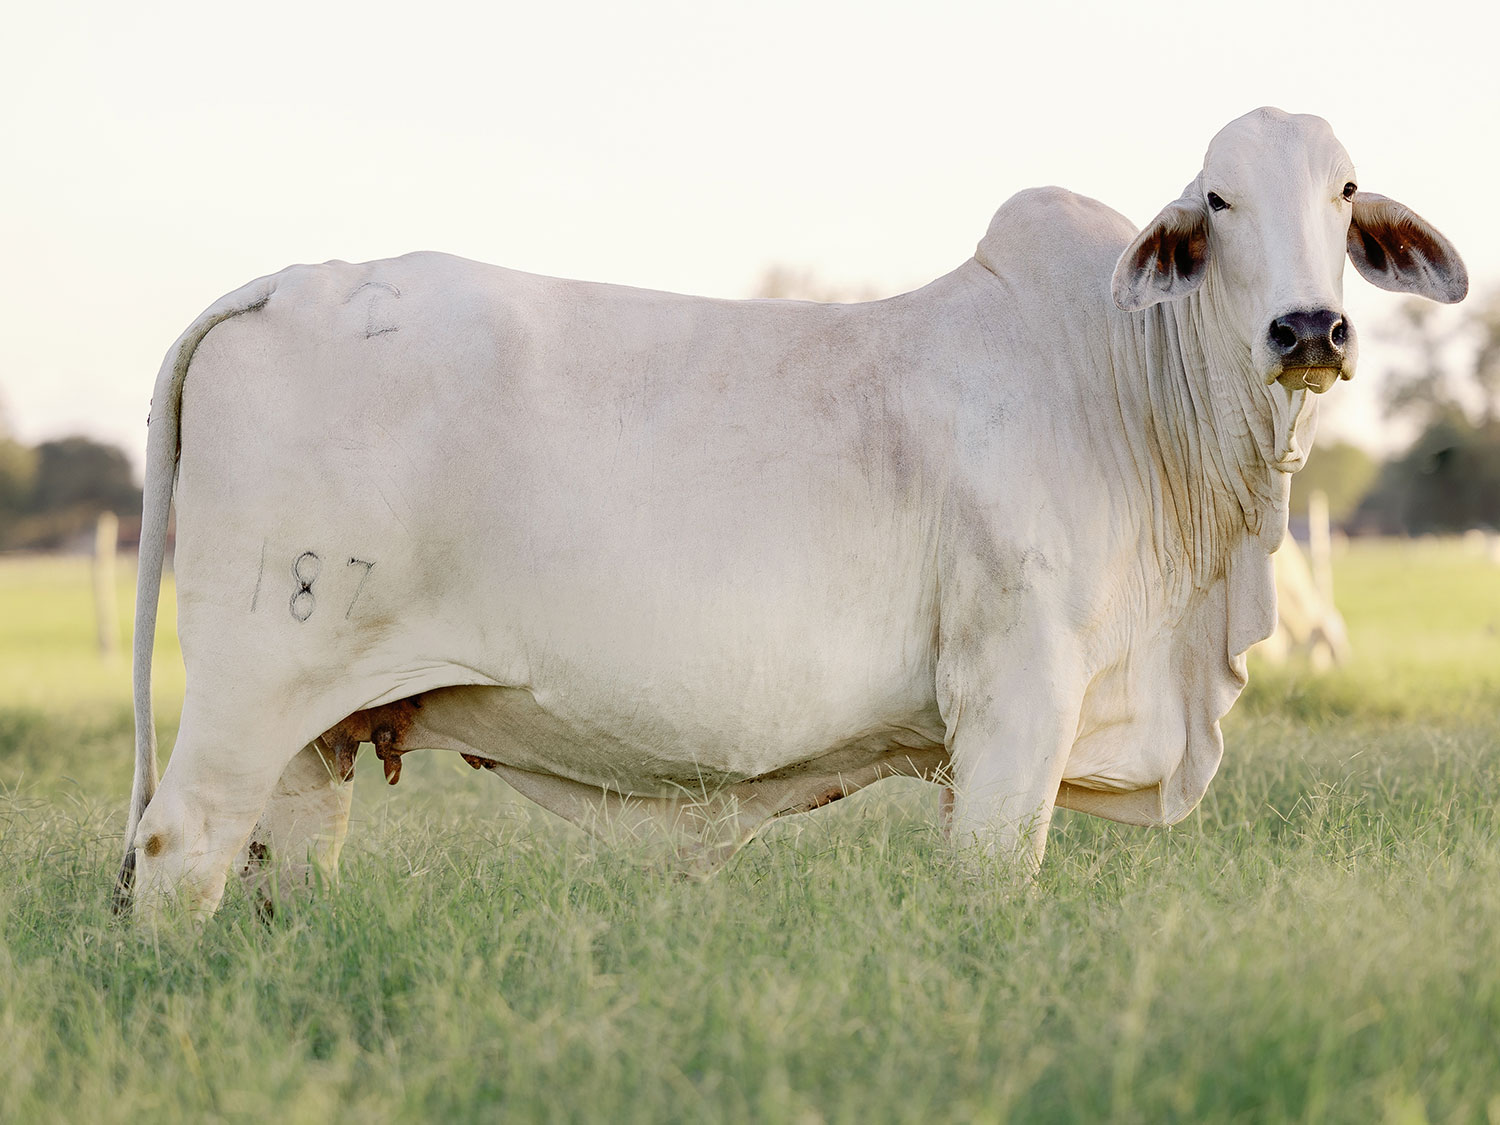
(1344, 472)
(51, 496)
(17, 476)
(1419, 388)
(78, 471)
(17, 473)
(1449, 480)
(1485, 319)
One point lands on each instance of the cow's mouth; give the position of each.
(1315, 379)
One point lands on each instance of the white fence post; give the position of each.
(1320, 544)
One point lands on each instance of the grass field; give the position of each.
(1319, 942)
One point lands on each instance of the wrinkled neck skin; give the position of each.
(1224, 443)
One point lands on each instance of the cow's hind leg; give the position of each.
(227, 761)
(301, 832)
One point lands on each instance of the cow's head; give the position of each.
(1269, 220)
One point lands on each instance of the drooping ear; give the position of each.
(1397, 249)
(1168, 259)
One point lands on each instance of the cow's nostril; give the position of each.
(1283, 335)
(1339, 334)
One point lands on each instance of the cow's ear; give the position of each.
(1397, 249)
(1168, 259)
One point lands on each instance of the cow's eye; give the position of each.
(1216, 203)
(1349, 190)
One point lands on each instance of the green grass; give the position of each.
(1319, 942)
(1424, 624)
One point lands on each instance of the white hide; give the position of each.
(638, 545)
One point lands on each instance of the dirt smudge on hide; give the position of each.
(256, 856)
(988, 577)
(342, 748)
(837, 793)
(887, 449)
(257, 859)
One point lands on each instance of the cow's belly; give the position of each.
(644, 753)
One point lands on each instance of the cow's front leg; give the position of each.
(1006, 777)
(303, 826)
(1011, 725)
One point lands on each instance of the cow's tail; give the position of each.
(162, 445)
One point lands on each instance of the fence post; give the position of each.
(1320, 544)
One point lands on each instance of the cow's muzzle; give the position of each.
(1309, 347)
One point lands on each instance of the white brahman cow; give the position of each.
(685, 564)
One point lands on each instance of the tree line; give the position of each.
(1444, 384)
(51, 494)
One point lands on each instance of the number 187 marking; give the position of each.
(307, 570)
(369, 566)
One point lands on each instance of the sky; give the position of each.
(157, 155)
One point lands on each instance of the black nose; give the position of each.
(1309, 339)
